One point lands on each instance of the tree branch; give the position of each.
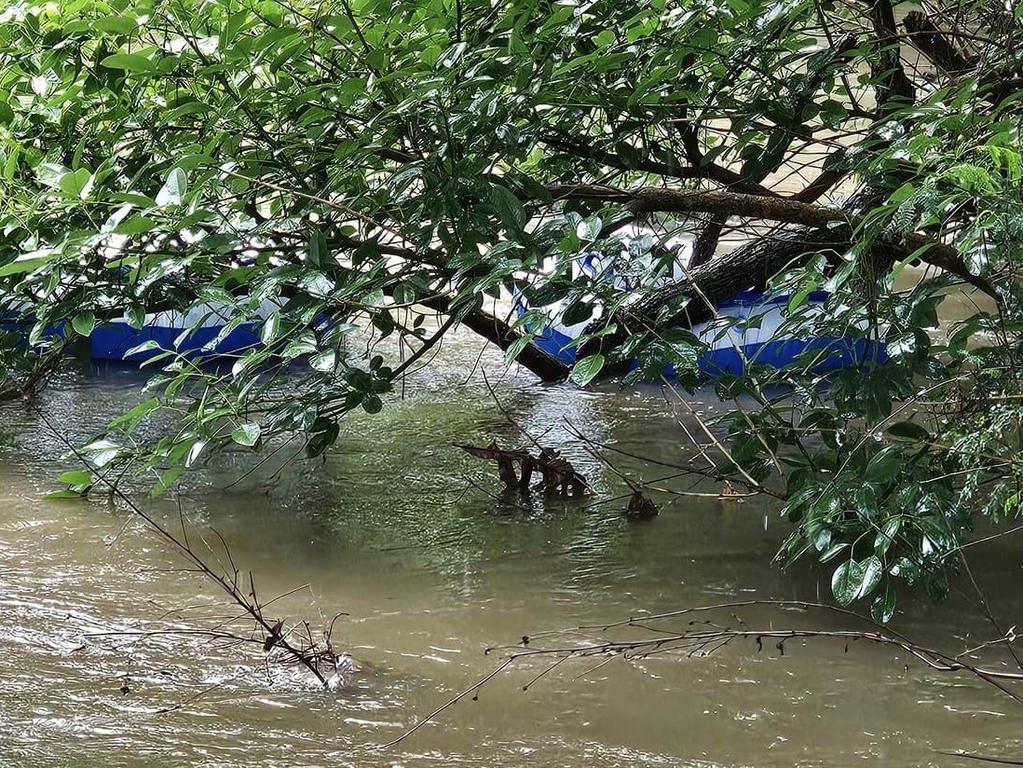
(706, 241)
(893, 84)
(697, 170)
(933, 44)
(648, 200)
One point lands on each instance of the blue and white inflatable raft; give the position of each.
(202, 332)
(751, 329)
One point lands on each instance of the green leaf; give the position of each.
(40, 85)
(194, 451)
(865, 498)
(318, 284)
(121, 25)
(173, 190)
(129, 62)
(909, 430)
(136, 225)
(321, 440)
(166, 480)
(76, 477)
(135, 315)
(247, 434)
(359, 380)
(799, 297)
(145, 346)
(508, 208)
(886, 536)
(318, 250)
(516, 347)
(371, 403)
(83, 323)
(323, 361)
(64, 494)
(586, 369)
(76, 183)
(135, 415)
(873, 571)
(50, 174)
(846, 581)
(271, 329)
(102, 452)
(305, 344)
(24, 263)
(833, 551)
(885, 464)
(589, 229)
(882, 610)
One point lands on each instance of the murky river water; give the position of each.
(430, 576)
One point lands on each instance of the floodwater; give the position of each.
(410, 538)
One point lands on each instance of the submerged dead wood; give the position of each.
(557, 475)
(640, 507)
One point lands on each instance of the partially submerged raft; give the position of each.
(751, 328)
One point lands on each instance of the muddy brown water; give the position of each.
(429, 575)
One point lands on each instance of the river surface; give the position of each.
(409, 538)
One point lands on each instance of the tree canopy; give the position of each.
(378, 172)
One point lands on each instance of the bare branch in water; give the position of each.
(702, 638)
(270, 633)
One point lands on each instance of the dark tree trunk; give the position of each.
(497, 331)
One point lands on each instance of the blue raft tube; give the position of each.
(204, 332)
(198, 333)
(750, 330)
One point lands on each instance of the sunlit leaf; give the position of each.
(246, 434)
(586, 369)
(173, 190)
(83, 323)
(129, 62)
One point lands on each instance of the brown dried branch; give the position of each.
(557, 474)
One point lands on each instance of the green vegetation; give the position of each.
(366, 165)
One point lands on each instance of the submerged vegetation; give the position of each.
(357, 178)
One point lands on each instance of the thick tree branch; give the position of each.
(647, 200)
(933, 44)
(696, 170)
(706, 241)
(893, 85)
(655, 199)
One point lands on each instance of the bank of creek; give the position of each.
(429, 577)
